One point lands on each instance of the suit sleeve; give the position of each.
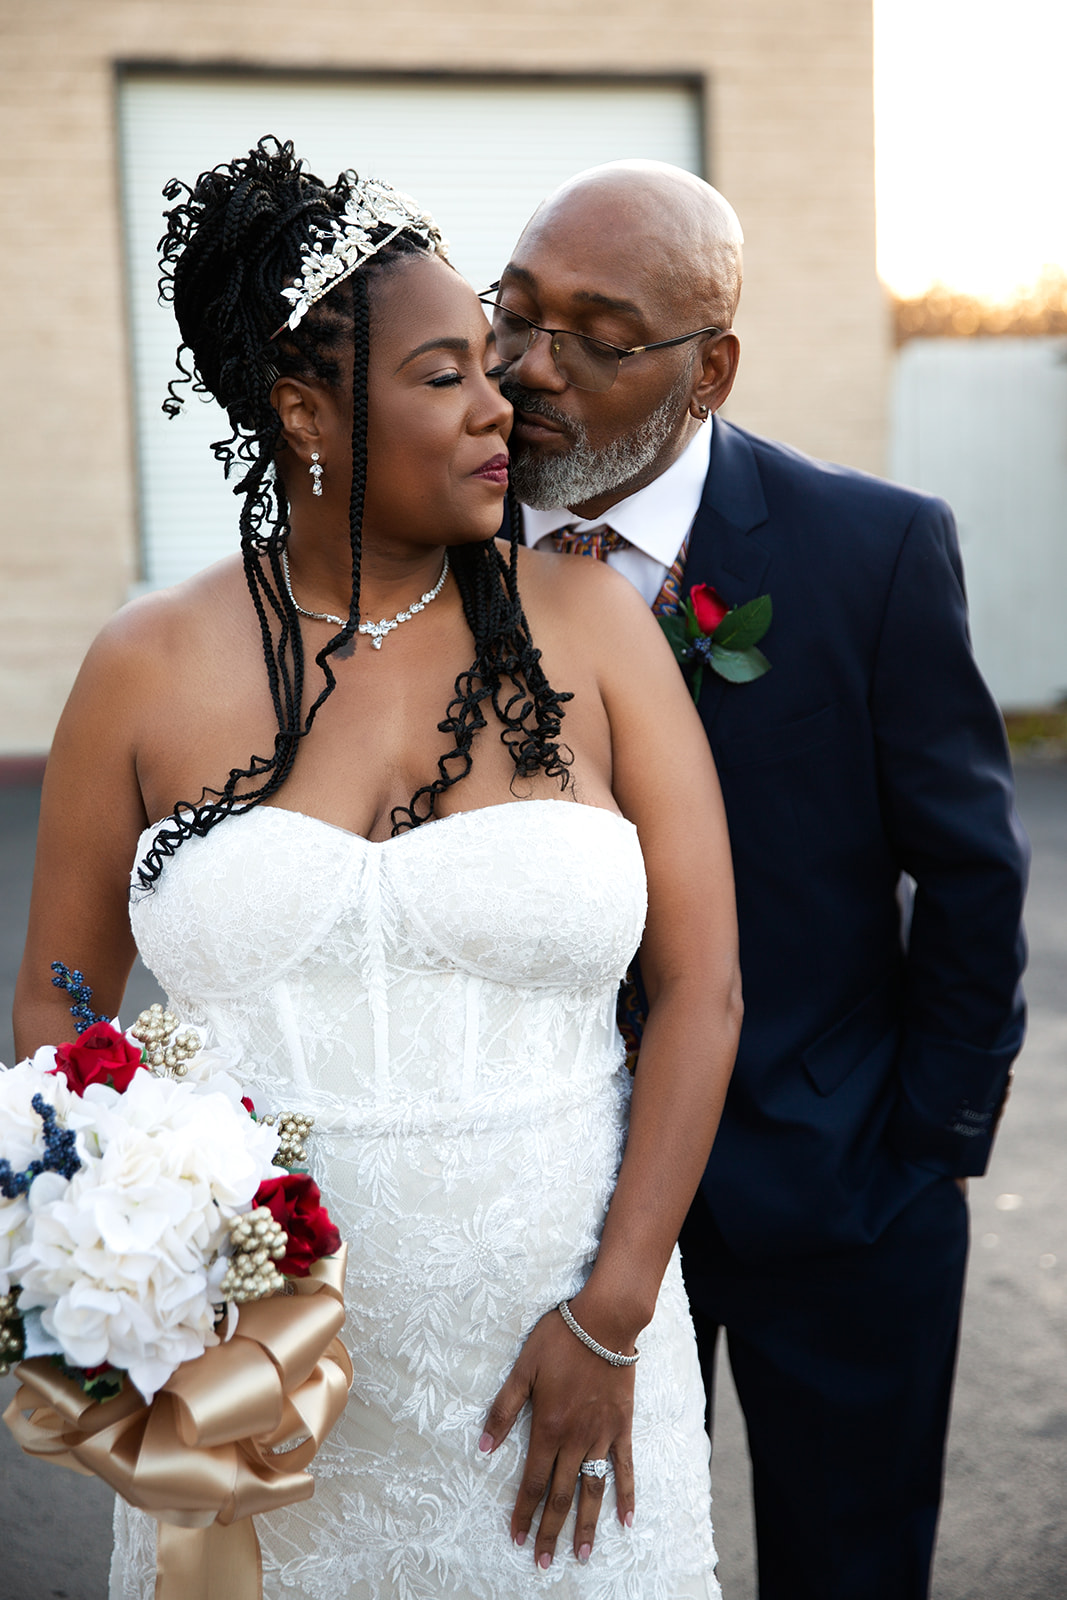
(948, 797)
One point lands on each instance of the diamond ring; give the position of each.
(594, 1469)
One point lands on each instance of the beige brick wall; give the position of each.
(789, 118)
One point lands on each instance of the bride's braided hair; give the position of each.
(233, 241)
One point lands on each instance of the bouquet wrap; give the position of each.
(228, 1435)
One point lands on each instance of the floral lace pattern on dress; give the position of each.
(443, 1004)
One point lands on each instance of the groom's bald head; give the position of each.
(633, 255)
(672, 230)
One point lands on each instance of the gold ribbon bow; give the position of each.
(228, 1435)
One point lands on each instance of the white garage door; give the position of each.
(479, 155)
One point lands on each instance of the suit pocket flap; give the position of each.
(835, 1053)
(782, 743)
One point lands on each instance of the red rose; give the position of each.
(296, 1205)
(100, 1055)
(248, 1105)
(710, 607)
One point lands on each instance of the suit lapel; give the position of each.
(723, 550)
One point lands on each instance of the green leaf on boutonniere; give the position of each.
(674, 628)
(739, 666)
(744, 626)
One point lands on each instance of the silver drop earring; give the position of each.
(316, 473)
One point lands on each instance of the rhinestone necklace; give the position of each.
(375, 631)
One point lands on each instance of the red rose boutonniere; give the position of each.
(709, 633)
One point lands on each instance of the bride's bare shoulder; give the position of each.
(164, 625)
(583, 600)
(568, 584)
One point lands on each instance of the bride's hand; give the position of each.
(582, 1410)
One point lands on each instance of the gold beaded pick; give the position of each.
(257, 1242)
(167, 1050)
(11, 1343)
(293, 1129)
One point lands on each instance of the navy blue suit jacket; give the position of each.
(867, 1066)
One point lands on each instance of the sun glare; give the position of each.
(969, 135)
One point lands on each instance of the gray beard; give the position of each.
(584, 473)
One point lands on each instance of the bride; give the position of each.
(409, 905)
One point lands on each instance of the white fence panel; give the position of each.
(983, 423)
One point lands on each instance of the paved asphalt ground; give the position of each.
(1004, 1528)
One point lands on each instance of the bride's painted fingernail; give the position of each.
(485, 1443)
(520, 1539)
(544, 1560)
(629, 1519)
(584, 1553)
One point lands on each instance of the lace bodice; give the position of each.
(307, 948)
(443, 1003)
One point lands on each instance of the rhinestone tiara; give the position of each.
(336, 251)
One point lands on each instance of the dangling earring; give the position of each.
(316, 473)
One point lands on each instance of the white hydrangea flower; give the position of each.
(22, 1141)
(212, 1070)
(120, 1260)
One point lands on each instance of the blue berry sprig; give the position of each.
(79, 991)
(59, 1154)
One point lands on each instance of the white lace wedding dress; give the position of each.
(443, 1003)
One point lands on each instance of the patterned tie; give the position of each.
(599, 542)
(668, 602)
(596, 542)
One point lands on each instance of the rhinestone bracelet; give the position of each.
(590, 1343)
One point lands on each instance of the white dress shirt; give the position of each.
(654, 520)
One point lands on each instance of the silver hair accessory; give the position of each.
(595, 1469)
(613, 1356)
(375, 631)
(316, 474)
(337, 250)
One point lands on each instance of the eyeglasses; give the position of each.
(586, 363)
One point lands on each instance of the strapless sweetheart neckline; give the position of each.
(453, 816)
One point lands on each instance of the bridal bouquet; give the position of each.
(171, 1296)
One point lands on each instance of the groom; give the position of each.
(829, 1235)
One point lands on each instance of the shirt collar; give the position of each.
(654, 519)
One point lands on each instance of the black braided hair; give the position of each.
(233, 241)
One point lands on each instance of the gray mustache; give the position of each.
(524, 400)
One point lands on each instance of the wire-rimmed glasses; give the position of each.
(590, 364)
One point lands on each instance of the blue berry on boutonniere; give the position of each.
(706, 632)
